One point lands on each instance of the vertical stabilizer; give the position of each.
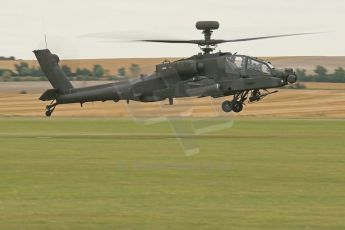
(50, 66)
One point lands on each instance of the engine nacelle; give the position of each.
(188, 67)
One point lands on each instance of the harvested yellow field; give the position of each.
(285, 104)
(324, 85)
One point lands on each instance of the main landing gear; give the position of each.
(235, 106)
(237, 102)
(50, 108)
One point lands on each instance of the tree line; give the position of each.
(321, 74)
(24, 72)
(11, 58)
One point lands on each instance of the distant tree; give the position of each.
(320, 70)
(121, 72)
(78, 71)
(339, 75)
(321, 74)
(83, 72)
(134, 70)
(5, 75)
(36, 72)
(23, 69)
(67, 70)
(302, 75)
(98, 71)
(6, 72)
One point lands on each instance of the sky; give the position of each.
(71, 25)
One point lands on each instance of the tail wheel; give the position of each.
(227, 106)
(50, 108)
(48, 113)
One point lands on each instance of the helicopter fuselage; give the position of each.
(207, 74)
(214, 75)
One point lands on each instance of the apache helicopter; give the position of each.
(206, 74)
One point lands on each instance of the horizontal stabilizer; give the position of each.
(49, 95)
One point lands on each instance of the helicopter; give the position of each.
(206, 74)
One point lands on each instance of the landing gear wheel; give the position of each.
(227, 106)
(237, 106)
(48, 113)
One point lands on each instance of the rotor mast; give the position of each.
(207, 45)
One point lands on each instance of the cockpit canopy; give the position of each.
(240, 63)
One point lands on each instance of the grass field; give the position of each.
(116, 174)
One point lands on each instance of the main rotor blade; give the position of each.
(265, 37)
(198, 42)
(168, 41)
(219, 41)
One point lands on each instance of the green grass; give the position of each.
(116, 174)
